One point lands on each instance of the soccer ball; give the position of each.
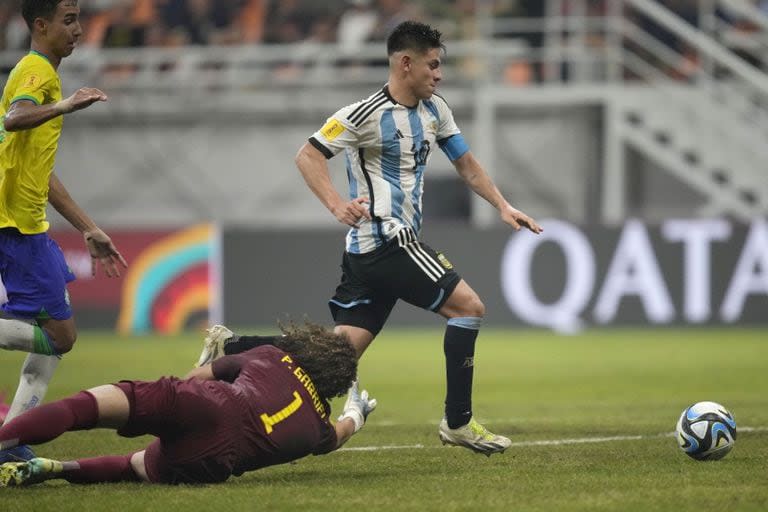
(706, 431)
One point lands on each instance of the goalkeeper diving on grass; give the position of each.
(242, 412)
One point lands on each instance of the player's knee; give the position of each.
(475, 307)
(139, 467)
(466, 304)
(63, 342)
(472, 307)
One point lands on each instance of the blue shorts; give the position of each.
(35, 276)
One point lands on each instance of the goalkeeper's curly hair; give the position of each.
(327, 357)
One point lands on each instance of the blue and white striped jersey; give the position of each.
(387, 147)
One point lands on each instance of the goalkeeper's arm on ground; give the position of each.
(356, 410)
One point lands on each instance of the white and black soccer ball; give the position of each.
(706, 431)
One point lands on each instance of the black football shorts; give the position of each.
(404, 268)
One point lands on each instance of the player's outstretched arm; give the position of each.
(25, 114)
(478, 180)
(99, 245)
(356, 410)
(82, 98)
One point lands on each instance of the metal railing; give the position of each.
(577, 48)
(581, 54)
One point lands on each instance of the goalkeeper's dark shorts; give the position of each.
(197, 427)
(404, 268)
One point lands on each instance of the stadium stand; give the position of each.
(673, 92)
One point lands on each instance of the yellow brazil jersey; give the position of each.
(27, 156)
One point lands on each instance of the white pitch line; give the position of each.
(582, 440)
(377, 448)
(550, 442)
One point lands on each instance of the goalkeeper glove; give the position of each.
(358, 406)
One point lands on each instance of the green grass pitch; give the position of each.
(590, 416)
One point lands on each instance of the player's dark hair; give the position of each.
(413, 35)
(327, 357)
(33, 9)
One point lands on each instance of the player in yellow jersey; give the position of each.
(32, 265)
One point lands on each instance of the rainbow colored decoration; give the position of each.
(169, 283)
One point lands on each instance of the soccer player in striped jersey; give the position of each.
(388, 139)
(32, 265)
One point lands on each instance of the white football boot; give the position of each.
(473, 436)
(213, 345)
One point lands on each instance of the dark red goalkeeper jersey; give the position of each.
(281, 417)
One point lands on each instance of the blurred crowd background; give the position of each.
(164, 23)
(168, 23)
(347, 23)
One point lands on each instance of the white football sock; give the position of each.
(17, 335)
(36, 373)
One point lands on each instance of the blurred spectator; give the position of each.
(201, 22)
(14, 34)
(323, 29)
(6, 13)
(251, 21)
(288, 22)
(115, 27)
(744, 36)
(523, 71)
(355, 26)
(390, 14)
(686, 66)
